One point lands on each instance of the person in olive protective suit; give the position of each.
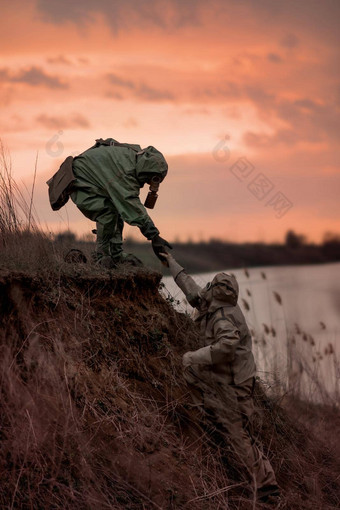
(221, 372)
(104, 182)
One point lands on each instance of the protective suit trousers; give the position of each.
(230, 409)
(109, 223)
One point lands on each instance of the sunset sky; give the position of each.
(241, 96)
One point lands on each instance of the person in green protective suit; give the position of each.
(220, 373)
(108, 179)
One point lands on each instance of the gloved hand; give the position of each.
(166, 259)
(159, 244)
(169, 261)
(200, 357)
(186, 359)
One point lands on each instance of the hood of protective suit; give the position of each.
(150, 163)
(222, 291)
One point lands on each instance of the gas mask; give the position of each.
(152, 196)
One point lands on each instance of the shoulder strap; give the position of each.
(112, 142)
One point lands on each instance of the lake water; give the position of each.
(293, 313)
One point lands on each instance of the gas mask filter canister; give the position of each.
(152, 196)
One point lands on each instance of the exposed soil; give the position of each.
(95, 412)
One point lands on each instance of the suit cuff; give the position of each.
(149, 231)
(202, 356)
(175, 268)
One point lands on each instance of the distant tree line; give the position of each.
(216, 254)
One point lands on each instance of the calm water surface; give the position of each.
(293, 312)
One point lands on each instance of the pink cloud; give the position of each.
(265, 73)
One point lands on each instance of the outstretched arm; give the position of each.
(184, 281)
(124, 193)
(125, 196)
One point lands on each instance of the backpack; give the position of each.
(60, 186)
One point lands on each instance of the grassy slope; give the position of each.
(95, 413)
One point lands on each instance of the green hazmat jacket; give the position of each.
(225, 340)
(118, 173)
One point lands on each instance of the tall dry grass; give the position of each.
(24, 245)
(16, 211)
(293, 362)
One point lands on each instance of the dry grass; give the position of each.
(94, 409)
(309, 369)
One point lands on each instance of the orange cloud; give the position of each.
(70, 121)
(262, 76)
(33, 76)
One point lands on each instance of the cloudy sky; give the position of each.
(241, 96)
